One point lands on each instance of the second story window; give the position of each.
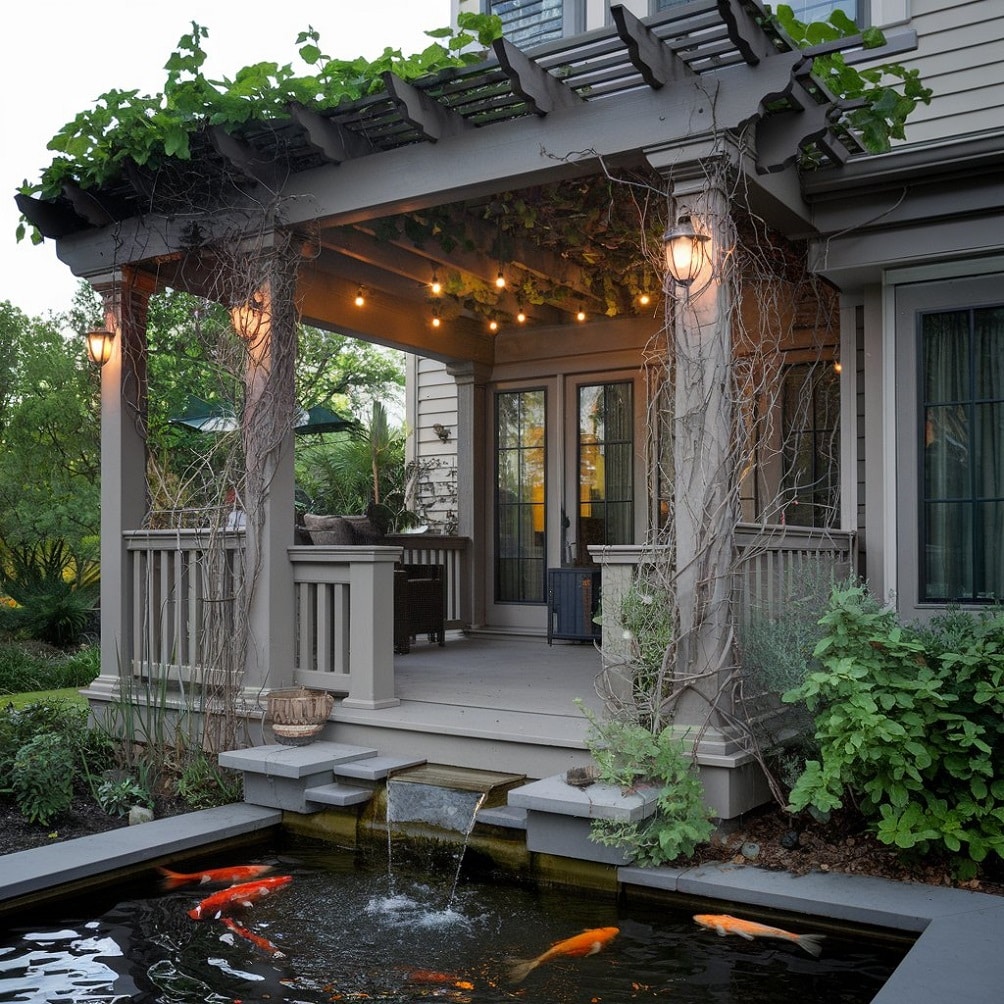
(808, 11)
(530, 22)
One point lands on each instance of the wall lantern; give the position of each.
(687, 252)
(99, 346)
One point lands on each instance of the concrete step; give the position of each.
(375, 768)
(337, 794)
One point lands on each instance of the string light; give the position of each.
(360, 297)
(435, 286)
(500, 280)
(581, 315)
(493, 325)
(521, 316)
(436, 321)
(644, 299)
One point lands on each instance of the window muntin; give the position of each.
(520, 496)
(961, 356)
(605, 451)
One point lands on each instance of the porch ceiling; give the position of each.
(637, 95)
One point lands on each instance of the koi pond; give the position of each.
(347, 930)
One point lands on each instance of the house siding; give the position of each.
(960, 51)
(433, 401)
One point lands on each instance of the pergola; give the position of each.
(280, 220)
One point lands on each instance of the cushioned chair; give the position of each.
(419, 597)
(419, 605)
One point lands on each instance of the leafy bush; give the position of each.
(627, 754)
(910, 725)
(203, 784)
(41, 779)
(48, 727)
(118, 796)
(53, 603)
(23, 670)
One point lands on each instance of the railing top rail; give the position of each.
(427, 541)
(151, 540)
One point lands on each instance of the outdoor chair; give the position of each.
(419, 605)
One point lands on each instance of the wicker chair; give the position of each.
(419, 605)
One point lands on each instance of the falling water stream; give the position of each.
(349, 931)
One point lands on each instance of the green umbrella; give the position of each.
(205, 417)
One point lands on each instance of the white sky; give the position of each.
(58, 57)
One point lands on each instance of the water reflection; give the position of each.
(352, 934)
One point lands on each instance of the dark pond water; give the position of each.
(355, 933)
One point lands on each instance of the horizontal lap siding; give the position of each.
(960, 56)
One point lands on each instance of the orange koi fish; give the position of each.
(262, 944)
(750, 929)
(212, 876)
(238, 896)
(586, 943)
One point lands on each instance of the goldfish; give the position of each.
(586, 943)
(262, 944)
(750, 929)
(238, 896)
(212, 876)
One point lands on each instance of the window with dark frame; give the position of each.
(961, 477)
(520, 496)
(531, 22)
(810, 444)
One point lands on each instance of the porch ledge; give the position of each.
(293, 761)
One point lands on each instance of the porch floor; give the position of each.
(494, 702)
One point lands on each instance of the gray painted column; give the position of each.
(472, 482)
(124, 496)
(705, 509)
(268, 326)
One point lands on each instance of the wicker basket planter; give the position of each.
(298, 714)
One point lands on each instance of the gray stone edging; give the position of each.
(23, 873)
(958, 956)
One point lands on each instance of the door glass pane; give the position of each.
(962, 459)
(520, 501)
(606, 467)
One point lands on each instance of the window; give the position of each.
(961, 449)
(520, 499)
(810, 436)
(606, 466)
(531, 22)
(808, 11)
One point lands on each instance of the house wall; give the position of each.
(960, 51)
(431, 402)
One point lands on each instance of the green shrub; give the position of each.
(628, 754)
(910, 726)
(24, 671)
(79, 752)
(203, 784)
(54, 603)
(41, 779)
(118, 796)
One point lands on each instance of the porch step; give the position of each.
(293, 761)
(376, 768)
(337, 794)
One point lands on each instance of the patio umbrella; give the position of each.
(205, 417)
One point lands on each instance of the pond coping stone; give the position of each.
(596, 801)
(957, 956)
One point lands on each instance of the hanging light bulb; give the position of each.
(493, 325)
(436, 320)
(500, 279)
(360, 297)
(435, 287)
(644, 299)
(581, 315)
(521, 315)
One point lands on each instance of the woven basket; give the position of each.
(298, 714)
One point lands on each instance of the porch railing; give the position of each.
(183, 584)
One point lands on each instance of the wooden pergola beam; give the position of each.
(423, 113)
(333, 142)
(543, 92)
(656, 62)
